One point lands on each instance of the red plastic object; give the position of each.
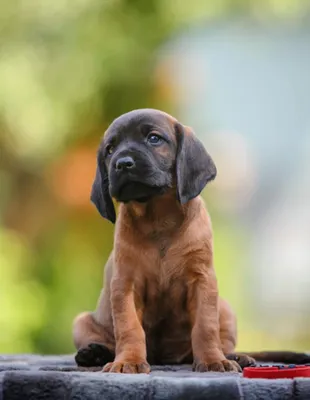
(301, 371)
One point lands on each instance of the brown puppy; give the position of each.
(160, 302)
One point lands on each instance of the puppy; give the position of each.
(160, 302)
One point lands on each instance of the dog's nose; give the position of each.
(124, 163)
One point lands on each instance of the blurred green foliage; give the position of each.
(66, 70)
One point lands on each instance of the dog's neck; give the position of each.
(163, 215)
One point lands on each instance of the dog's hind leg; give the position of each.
(93, 333)
(95, 345)
(228, 336)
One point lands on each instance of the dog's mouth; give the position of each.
(137, 191)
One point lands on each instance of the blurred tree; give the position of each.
(66, 70)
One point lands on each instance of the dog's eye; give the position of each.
(154, 139)
(109, 149)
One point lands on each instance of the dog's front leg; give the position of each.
(204, 314)
(129, 335)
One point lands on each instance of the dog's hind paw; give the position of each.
(242, 359)
(94, 355)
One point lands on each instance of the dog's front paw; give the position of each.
(127, 367)
(95, 355)
(220, 366)
(242, 359)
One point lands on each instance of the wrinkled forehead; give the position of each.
(140, 121)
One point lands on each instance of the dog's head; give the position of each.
(143, 154)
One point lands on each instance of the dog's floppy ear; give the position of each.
(194, 166)
(100, 194)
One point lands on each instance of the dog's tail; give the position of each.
(282, 357)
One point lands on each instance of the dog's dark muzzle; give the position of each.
(135, 179)
(124, 164)
(136, 191)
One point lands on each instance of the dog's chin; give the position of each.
(137, 191)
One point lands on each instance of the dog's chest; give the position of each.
(160, 242)
(164, 298)
(164, 285)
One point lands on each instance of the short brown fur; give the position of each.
(160, 302)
